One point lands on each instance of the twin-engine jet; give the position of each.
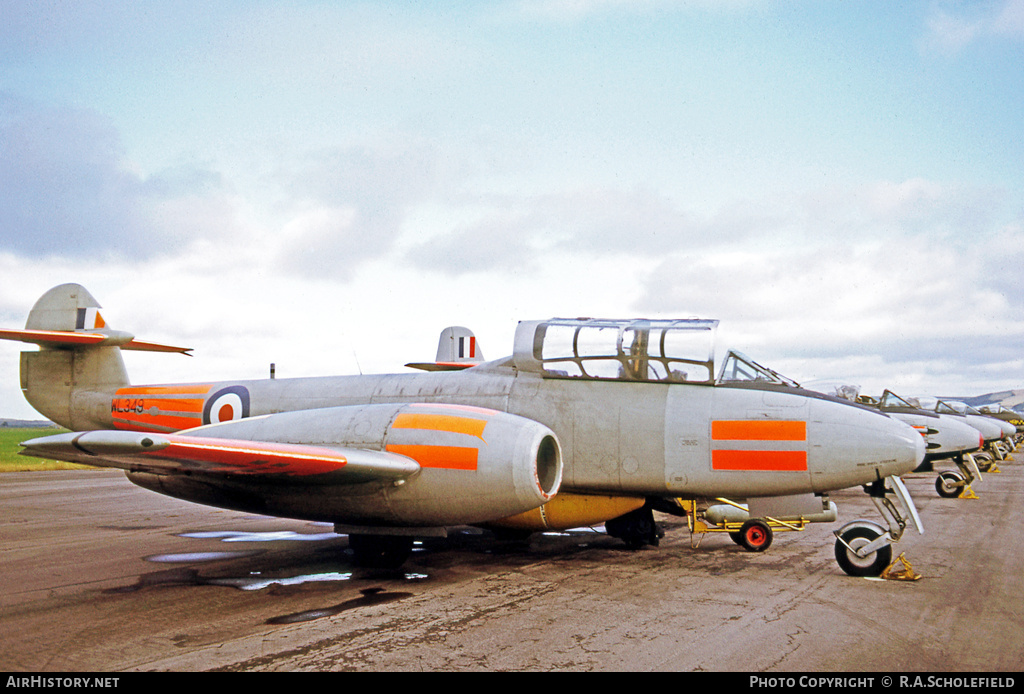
(587, 422)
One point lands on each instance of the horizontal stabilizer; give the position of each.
(72, 339)
(441, 366)
(176, 454)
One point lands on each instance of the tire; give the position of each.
(380, 551)
(871, 565)
(755, 535)
(949, 484)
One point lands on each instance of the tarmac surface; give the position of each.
(98, 575)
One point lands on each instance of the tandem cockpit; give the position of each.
(653, 351)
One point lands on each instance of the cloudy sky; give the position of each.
(326, 185)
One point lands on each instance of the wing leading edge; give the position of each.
(171, 454)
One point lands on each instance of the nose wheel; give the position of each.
(864, 548)
(950, 484)
(871, 564)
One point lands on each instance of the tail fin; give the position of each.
(79, 357)
(457, 348)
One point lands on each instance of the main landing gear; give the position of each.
(864, 548)
(636, 528)
(380, 551)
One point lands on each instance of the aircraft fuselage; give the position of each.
(617, 437)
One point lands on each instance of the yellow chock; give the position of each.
(994, 468)
(906, 573)
(967, 493)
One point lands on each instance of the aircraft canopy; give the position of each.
(675, 351)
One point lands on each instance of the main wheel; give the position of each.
(755, 535)
(854, 565)
(949, 484)
(380, 551)
(636, 528)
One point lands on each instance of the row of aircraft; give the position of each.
(953, 431)
(588, 422)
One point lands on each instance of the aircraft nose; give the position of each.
(900, 448)
(860, 446)
(916, 456)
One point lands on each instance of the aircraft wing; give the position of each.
(171, 454)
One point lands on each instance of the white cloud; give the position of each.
(70, 192)
(950, 31)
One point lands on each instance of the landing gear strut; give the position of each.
(864, 548)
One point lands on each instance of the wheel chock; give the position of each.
(967, 493)
(994, 468)
(906, 573)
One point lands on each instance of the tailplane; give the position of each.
(79, 361)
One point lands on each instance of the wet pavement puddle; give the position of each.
(268, 536)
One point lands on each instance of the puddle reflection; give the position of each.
(267, 536)
(254, 580)
(193, 557)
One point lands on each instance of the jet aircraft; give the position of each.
(993, 431)
(1005, 414)
(946, 438)
(588, 421)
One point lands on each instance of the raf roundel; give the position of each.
(226, 405)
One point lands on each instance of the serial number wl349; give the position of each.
(127, 406)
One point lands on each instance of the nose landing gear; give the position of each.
(864, 548)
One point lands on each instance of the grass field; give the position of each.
(10, 461)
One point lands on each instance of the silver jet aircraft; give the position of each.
(946, 437)
(588, 422)
(993, 431)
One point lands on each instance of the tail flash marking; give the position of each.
(89, 319)
(472, 347)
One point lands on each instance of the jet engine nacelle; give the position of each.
(475, 465)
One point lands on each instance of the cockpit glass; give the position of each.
(738, 367)
(942, 407)
(890, 399)
(631, 350)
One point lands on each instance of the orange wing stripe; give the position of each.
(441, 422)
(261, 458)
(775, 461)
(758, 430)
(445, 457)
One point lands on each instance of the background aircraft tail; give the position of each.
(457, 349)
(70, 379)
